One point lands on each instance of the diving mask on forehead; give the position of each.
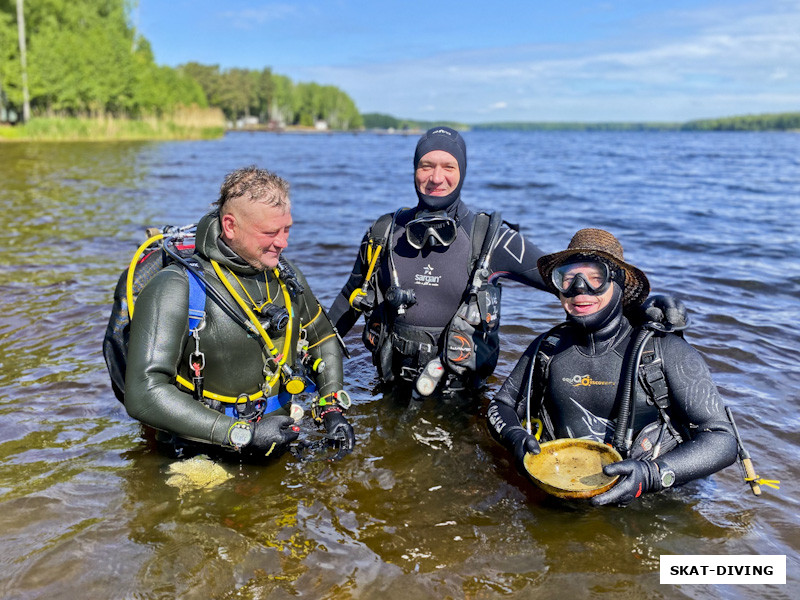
(591, 277)
(434, 229)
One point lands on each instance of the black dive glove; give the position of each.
(520, 442)
(637, 477)
(506, 428)
(272, 435)
(667, 311)
(336, 425)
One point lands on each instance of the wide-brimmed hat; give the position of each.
(602, 244)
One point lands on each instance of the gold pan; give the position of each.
(570, 468)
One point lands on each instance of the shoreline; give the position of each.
(314, 131)
(171, 133)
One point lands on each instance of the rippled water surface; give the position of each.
(427, 506)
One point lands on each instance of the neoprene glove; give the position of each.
(505, 426)
(637, 477)
(666, 310)
(520, 442)
(272, 435)
(336, 425)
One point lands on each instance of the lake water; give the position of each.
(427, 506)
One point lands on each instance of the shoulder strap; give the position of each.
(197, 299)
(537, 378)
(479, 227)
(484, 234)
(651, 373)
(547, 345)
(379, 232)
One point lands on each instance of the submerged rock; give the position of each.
(199, 472)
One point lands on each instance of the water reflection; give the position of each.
(427, 506)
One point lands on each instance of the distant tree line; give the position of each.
(84, 58)
(766, 122)
(577, 126)
(273, 98)
(383, 121)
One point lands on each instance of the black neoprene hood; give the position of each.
(450, 141)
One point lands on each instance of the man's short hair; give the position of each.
(255, 185)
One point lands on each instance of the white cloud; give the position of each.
(723, 67)
(251, 17)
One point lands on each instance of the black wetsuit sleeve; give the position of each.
(323, 343)
(695, 403)
(342, 315)
(159, 329)
(508, 407)
(515, 257)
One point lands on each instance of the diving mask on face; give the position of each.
(585, 277)
(434, 229)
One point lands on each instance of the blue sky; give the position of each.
(494, 60)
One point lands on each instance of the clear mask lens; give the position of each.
(434, 230)
(588, 277)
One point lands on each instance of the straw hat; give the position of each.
(601, 244)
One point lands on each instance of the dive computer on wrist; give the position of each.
(667, 477)
(240, 434)
(343, 399)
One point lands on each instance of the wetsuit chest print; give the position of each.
(428, 276)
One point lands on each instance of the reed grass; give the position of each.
(185, 123)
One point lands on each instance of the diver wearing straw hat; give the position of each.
(584, 379)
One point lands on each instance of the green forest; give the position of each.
(84, 59)
(273, 98)
(765, 122)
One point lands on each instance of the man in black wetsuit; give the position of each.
(420, 281)
(573, 378)
(428, 285)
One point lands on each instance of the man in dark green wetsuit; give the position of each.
(230, 381)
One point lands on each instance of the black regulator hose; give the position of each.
(623, 434)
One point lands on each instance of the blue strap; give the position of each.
(197, 300)
(273, 403)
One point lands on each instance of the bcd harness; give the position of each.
(243, 405)
(469, 343)
(177, 247)
(643, 362)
